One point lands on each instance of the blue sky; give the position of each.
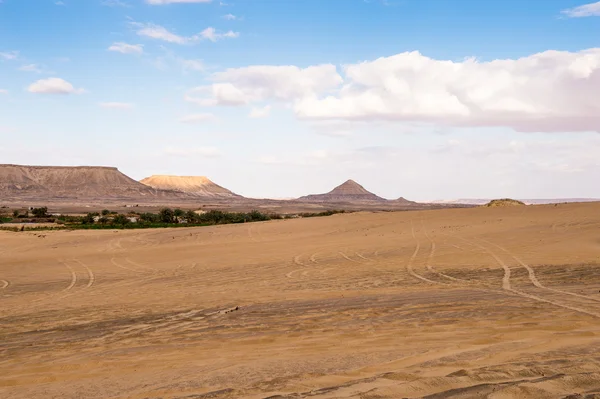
(425, 99)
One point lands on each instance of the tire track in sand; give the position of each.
(296, 260)
(343, 255)
(430, 258)
(91, 276)
(362, 256)
(409, 264)
(506, 285)
(5, 284)
(73, 276)
(533, 277)
(114, 262)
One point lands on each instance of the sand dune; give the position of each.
(460, 303)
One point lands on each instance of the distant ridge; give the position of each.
(404, 201)
(197, 186)
(482, 201)
(72, 182)
(349, 191)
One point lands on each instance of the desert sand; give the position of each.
(459, 303)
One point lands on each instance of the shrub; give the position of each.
(120, 220)
(87, 219)
(178, 213)
(40, 212)
(166, 215)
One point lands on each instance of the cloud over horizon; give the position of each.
(412, 87)
(53, 86)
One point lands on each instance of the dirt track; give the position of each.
(462, 303)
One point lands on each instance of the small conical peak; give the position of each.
(349, 187)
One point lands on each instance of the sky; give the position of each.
(424, 99)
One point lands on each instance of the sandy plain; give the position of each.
(457, 303)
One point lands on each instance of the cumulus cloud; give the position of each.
(206, 152)
(586, 10)
(116, 105)
(257, 113)
(9, 55)
(125, 48)
(239, 86)
(197, 118)
(53, 86)
(163, 2)
(158, 32)
(230, 17)
(553, 91)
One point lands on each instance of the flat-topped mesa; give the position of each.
(75, 182)
(349, 191)
(197, 186)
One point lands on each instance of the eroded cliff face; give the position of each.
(52, 182)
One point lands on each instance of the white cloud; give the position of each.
(163, 2)
(197, 118)
(9, 55)
(212, 34)
(158, 32)
(260, 112)
(230, 17)
(60, 3)
(125, 48)
(116, 105)
(207, 152)
(192, 65)
(53, 86)
(114, 3)
(3, 91)
(30, 68)
(553, 91)
(586, 10)
(550, 91)
(241, 86)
